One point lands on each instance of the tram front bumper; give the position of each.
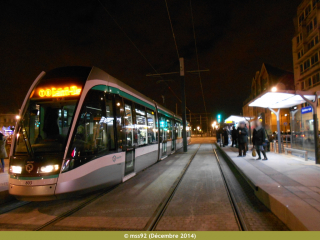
(33, 193)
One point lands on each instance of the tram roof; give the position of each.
(97, 73)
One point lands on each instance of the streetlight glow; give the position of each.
(274, 89)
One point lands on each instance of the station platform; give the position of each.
(4, 183)
(289, 186)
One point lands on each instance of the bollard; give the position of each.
(275, 146)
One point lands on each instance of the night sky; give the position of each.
(234, 38)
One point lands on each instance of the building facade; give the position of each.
(305, 50)
(264, 80)
(7, 122)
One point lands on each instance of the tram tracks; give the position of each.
(233, 201)
(159, 212)
(12, 205)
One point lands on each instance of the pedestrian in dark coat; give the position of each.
(234, 135)
(3, 152)
(225, 137)
(259, 140)
(242, 139)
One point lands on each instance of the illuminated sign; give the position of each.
(59, 92)
(306, 110)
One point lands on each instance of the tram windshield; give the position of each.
(46, 120)
(45, 126)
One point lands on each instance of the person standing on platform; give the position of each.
(246, 145)
(225, 136)
(234, 135)
(3, 152)
(242, 139)
(259, 140)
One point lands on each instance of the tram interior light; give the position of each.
(49, 168)
(15, 169)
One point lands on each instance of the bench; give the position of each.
(297, 151)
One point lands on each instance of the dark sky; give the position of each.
(234, 39)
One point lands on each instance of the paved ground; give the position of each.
(287, 185)
(201, 201)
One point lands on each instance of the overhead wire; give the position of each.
(174, 37)
(145, 58)
(197, 57)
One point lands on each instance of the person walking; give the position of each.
(259, 140)
(3, 152)
(234, 135)
(242, 132)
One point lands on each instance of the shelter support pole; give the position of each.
(292, 113)
(277, 113)
(314, 105)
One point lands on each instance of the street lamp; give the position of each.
(274, 89)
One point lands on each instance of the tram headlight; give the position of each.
(15, 169)
(49, 168)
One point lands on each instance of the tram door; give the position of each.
(173, 144)
(129, 164)
(163, 135)
(129, 148)
(164, 148)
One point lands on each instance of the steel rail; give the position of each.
(237, 213)
(162, 207)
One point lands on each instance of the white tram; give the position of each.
(80, 130)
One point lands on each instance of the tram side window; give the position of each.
(169, 129)
(152, 127)
(128, 124)
(141, 124)
(119, 122)
(174, 130)
(178, 130)
(163, 128)
(94, 134)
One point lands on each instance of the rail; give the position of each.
(159, 212)
(238, 215)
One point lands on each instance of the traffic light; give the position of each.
(219, 118)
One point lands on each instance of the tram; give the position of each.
(81, 130)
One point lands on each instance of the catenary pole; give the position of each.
(183, 105)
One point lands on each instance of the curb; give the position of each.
(274, 205)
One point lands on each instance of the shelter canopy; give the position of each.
(280, 99)
(237, 119)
